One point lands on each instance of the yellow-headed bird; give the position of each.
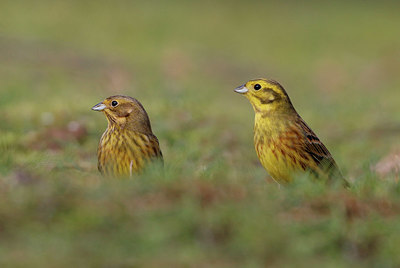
(128, 142)
(284, 143)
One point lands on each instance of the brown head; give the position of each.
(125, 112)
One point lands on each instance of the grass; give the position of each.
(214, 205)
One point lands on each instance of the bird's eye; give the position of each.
(114, 103)
(257, 86)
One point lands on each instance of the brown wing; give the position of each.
(319, 153)
(152, 146)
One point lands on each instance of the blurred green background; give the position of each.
(215, 205)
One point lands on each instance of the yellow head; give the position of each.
(266, 96)
(125, 112)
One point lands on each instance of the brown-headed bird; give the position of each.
(128, 143)
(284, 143)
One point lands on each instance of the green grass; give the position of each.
(338, 61)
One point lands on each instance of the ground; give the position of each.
(214, 204)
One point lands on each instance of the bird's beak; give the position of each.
(99, 107)
(242, 89)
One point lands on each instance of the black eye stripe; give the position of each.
(276, 96)
(114, 103)
(267, 101)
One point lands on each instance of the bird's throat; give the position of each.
(271, 124)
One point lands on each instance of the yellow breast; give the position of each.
(277, 149)
(122, 153)
(274, 160)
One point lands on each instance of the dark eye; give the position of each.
(114, 103)
(257, 86)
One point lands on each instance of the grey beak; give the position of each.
(99, 107)
(242, 89)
